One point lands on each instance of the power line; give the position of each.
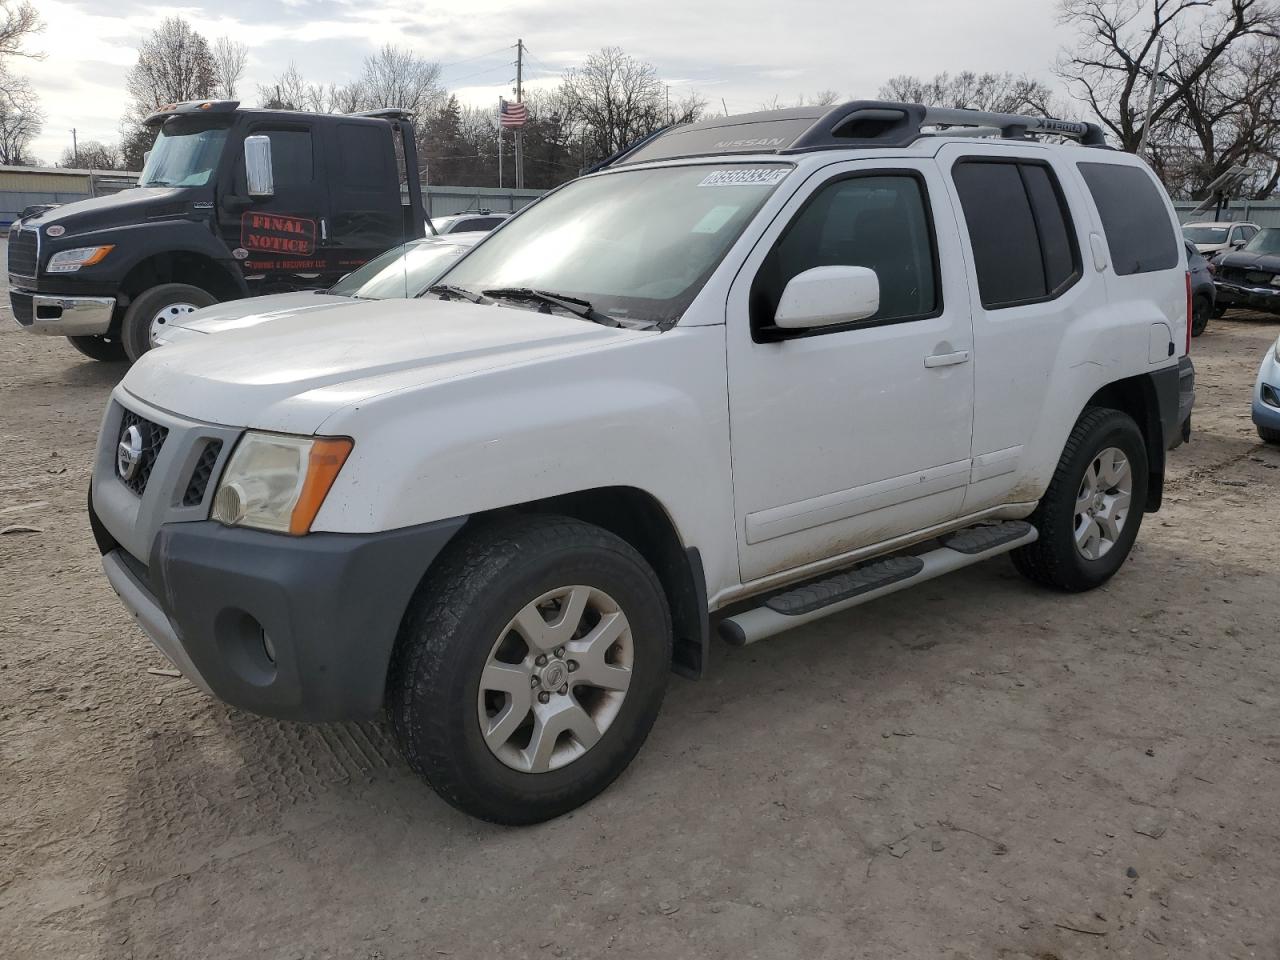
(478, 56)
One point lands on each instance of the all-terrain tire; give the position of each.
(479, 584)
(175, 298)
(1055, 559)
(106, 349)
(1269, 435)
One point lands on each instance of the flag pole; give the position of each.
(499, 143)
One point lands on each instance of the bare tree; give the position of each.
(229, 60)
(614, 99)
(398, 77)
(997, 92)
(174, 64)
(1112, 66)
(92, 155)
(18, 22)
(20, 119)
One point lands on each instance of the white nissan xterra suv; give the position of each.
(756, 371)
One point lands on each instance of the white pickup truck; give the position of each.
(757, 371)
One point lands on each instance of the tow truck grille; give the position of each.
(22, 253)
(152, 440)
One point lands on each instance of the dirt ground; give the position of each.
(975, 769)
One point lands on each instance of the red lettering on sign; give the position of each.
(277, 233)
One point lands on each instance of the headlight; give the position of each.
(278, 482)
(69, 261)
(1275, 351)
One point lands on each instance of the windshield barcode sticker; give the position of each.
(762, 176)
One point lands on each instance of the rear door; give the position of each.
(367, 217)
(1023, 252)
(847, 436)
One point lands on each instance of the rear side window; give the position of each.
(365, 159)
(1134, 218)
(1024, 246)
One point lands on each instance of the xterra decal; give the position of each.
(277, 233)
(739, 177)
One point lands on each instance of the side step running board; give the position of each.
(820, 598)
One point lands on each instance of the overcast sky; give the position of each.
(743, 52)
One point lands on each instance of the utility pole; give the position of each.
(1151, 98)
(519, 99)
(75, 149)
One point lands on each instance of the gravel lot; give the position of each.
(974, 769)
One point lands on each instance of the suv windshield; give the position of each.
(1207, 234)
(635, 244)
(183, 156)
(1266, 240)
(403, 271)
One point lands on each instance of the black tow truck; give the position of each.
(232, 202)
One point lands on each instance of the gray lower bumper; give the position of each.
(71, 316)
(137, 599)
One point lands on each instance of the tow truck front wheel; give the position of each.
(152, 310)
(530, 667)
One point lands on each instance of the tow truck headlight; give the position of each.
(69, 261)
(278, 482)
(1275, 351)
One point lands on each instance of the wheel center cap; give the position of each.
(1099, 502)
(554, 675)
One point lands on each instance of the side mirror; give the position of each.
(828, 296)
(257, 166)
(1238, 242)
(146, 155)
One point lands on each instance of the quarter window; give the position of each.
(1134, 216)
(879, 222)
(1024, 244)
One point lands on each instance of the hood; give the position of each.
(126, 208)
(251, 311)
(1243, 260)
(282, 376)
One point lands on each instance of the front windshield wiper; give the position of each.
(575, 305)
(447, 291)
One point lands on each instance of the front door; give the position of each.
(281, 239)
(847, 436)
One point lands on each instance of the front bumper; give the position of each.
(1245, 295)
(61, 316)
(1266, 394)
(300, 628)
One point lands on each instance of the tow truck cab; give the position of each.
(231, 203)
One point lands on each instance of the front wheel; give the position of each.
(106, 349)
(530, 668)
(1269, 434)
(1090, 515)
(152, 309)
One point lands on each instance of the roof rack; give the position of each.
(860, 123)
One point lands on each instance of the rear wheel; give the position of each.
(1200, 311)
(152, 309)
(530, 668)
(1269, 434)
(99, 348)
(1090, 515)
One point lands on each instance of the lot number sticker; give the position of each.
(762, 176)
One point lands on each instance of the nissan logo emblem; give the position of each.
(129, 453)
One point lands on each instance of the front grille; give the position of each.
(22, 308)
(152, 440)
(201, 475)
(22, 253)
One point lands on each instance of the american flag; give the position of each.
(512, 114)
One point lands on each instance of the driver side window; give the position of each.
(880, 222)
